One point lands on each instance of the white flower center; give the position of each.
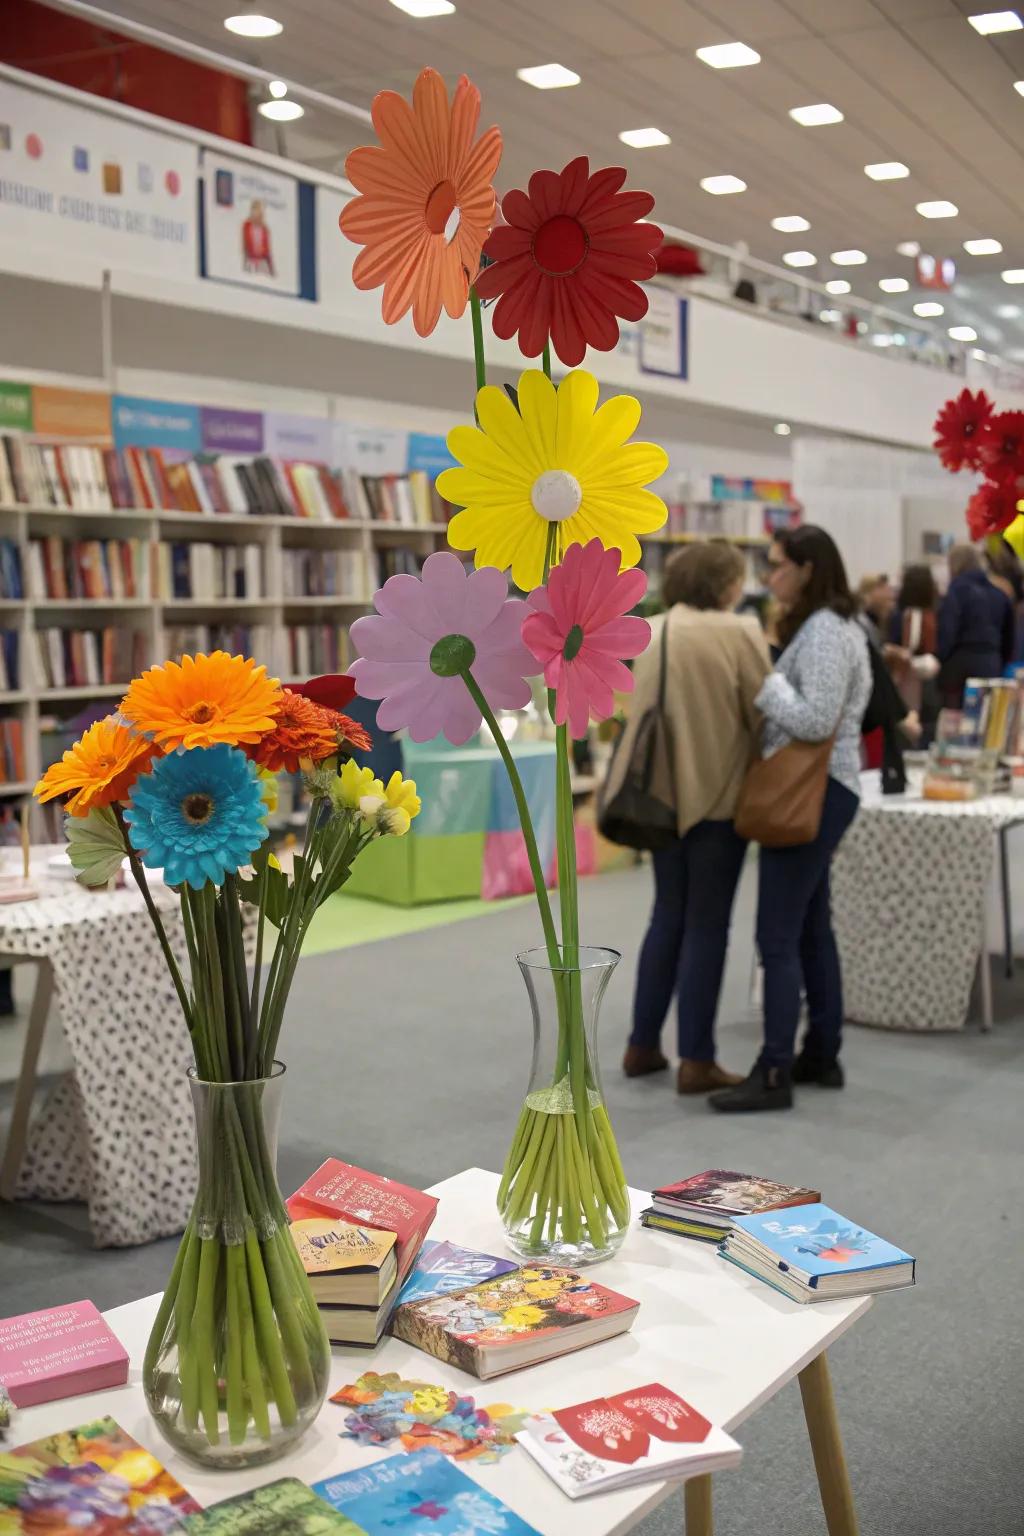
(556, 495)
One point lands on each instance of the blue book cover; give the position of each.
(444, 1267)
(419, 1495)
(818, 1241)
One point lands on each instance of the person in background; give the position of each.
(715, 663)
(819, 690)
(1006, 572)
(875, 600)
(976, 626)
(913, 645)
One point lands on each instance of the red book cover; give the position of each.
(332, 490)
(368, 1199)
(140, 486)
(59, 1352)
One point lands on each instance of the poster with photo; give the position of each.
(251, 225)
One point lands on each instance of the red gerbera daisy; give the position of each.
(960, 429)
(1001, 451)
(568, 260)
(991, 509)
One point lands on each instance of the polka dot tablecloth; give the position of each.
(909, 887)
(117, 1130)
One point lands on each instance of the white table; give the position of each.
(719, 1338)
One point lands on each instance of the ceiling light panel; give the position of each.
(281, 110)
(1013, 275)
(887, 170)
(791, 224)
(1009, 311)
(782, 429)
(251, 24)
(962, 333)
(799, 258)
(421, 10)
(728, 56)
(909, 248)
(988, 23)
(837, 285)
(928, 310)
(644, 138)
(893, 284)
(982, 247)
(848, 258)
(721, 186)
(816, 116)
(939, 209)
(546, 77)
(1018, 85)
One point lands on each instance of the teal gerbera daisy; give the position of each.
(199, 815)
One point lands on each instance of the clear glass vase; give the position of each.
(238, 1361)
(563, 1196)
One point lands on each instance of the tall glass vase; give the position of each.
(563, 1196)
(238, 1361)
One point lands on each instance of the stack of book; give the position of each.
(207, 572)
(12, 755)
(410, 500)
(237, 639)
(52, 475)
(814, 1254)
(706, 1205)
(368, 1230)
(322, 573)
(75, 568)
(310, 649)
(79, 658)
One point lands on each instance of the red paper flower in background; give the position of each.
(331, 689)
(568, 260)
(991, 509)
(1001, 451)
(960, 429)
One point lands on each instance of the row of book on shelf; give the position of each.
(62, 657)
(363, 1242)
(81, 477)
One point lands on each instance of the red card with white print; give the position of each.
(648, 1434)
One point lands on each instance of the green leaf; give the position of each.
(278, 887)
(95, 846)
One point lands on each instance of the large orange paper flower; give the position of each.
(100, 768)
(427, 201)
(204, 701)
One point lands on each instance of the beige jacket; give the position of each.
(715, 665)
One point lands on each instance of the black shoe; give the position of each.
(765, 1088)
(825, 1074)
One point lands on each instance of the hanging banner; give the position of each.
(369, 450)
(225, 431)
(15, 407)
(428, 452)
(297, 437)
(663, 335)
(140, 423)
(250, 226)
(70, 412)
(89, 184)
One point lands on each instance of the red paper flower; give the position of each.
(1001, 450)
(568, 259)
(331, 689)
(991, 509)
(960, 429)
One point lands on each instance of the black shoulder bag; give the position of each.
(641, 812)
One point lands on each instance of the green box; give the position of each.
(410, 871)
(15, 406)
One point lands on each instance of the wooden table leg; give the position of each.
(17, 1133)
(827, 1446)
(697, 1496)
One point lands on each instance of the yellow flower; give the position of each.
(524, 1316)
(354, 784)
(557, 463)
(269, 789)
(401, 795)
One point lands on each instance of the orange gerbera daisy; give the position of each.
(204, 701)
(427, 200)
(100, 768)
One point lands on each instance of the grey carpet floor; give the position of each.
(408, 1058)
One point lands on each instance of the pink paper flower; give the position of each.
(578, 630)
(427, 630)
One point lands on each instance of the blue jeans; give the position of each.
(684, 949)
(796, 942)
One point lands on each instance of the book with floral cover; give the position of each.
(420, 1495)
(346, 1193)
(515, 1320)
(444, 1267)
(285, 1506)
(647, 1434)
(94, 1480)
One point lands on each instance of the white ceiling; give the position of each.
(915, 82)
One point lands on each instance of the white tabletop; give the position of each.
(721, 1339)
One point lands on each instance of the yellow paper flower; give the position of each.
(559, 463)
(354, 784)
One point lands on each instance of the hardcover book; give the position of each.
(285, 1506)
(814, 1253)
(644, 1435)
(59, 1352)
(93, 1480)
(718, 1197)
(346, 1264)
(367, 1199)
(515, 1320)
(444, 1267)
(420, 1495)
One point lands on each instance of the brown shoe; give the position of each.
(703, 1076)
(639, 1060)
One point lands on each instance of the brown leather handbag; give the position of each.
(781, 796)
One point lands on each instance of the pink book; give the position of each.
(59, 1352)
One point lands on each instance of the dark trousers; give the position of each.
(796, 942)
(684, 949)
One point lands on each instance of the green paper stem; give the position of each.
(478, 339)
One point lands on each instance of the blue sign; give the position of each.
(429, 453)
(142, 423)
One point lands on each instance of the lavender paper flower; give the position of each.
(426, 632)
